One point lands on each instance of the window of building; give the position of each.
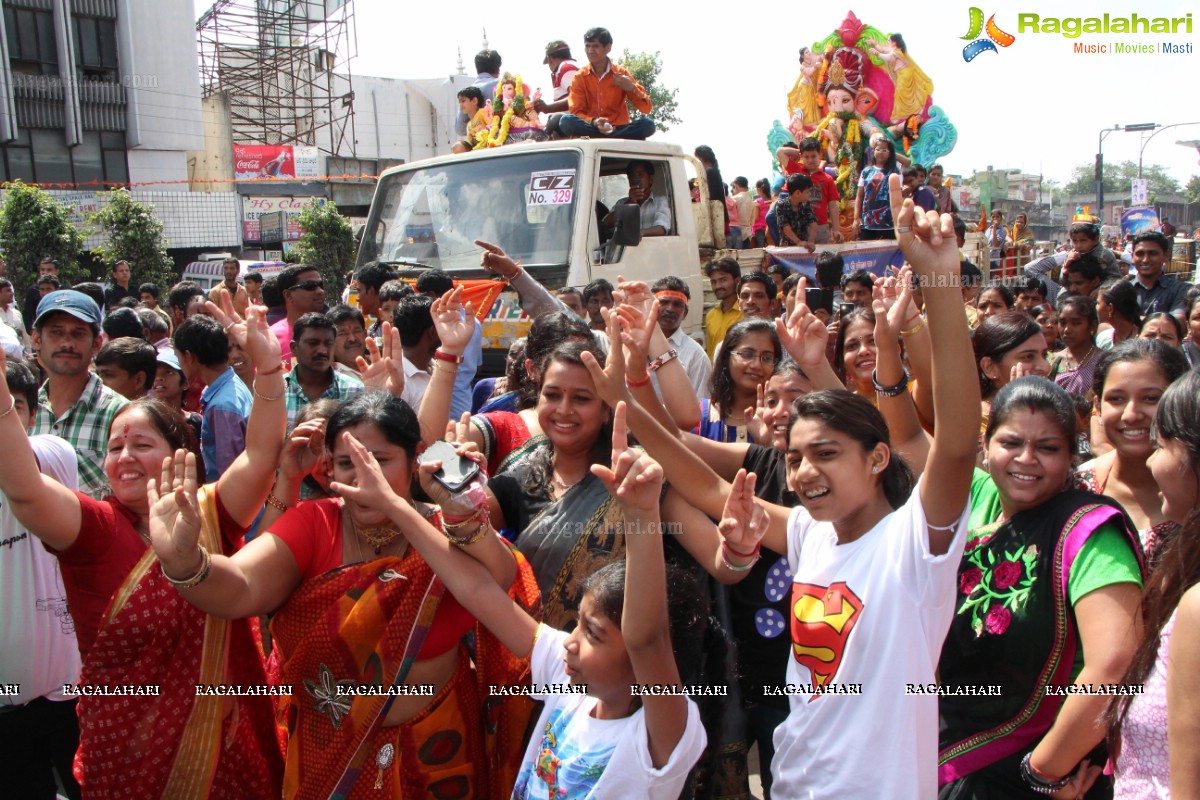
(31, 45)
(42, 156)
(95, 48)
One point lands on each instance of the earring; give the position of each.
(874, 470)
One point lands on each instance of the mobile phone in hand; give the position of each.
(456, 472)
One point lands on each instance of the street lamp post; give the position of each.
(1146, 140)
(1141, 126)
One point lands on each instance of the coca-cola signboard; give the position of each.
(252, 161)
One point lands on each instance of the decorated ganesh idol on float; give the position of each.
(511, 117)
(856, 85)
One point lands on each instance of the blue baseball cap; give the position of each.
(168, 356)
(77, 304)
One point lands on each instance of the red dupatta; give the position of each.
(175, 745)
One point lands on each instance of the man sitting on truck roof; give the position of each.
(655, 210)
(599, 91)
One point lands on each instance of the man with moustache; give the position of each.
(74, 403)
(723, 275)
(673, 297)
(314, 378)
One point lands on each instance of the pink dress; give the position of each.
(1143, 767)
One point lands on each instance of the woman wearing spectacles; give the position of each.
(744, 363)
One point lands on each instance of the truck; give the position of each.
(545, 203)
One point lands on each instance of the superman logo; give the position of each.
(822, 619)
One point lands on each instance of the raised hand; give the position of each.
(231, 321)
(174, 514)
(495, 260)
(926, 239)
(384, 372)
(303, 449)
(756, 418)
(744, 520)
(454, 329)
(467, 499)
(803, 336)
(634, 479)
(636, 331)
(459, 430)
(610, 379)
(261, 344)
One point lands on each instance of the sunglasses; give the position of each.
(308, 286)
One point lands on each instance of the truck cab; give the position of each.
(545, 203)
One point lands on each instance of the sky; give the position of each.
(1035, 105)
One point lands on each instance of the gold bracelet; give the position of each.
(913, 330)
(262, 396)
(445, 366)
(467, 541)
(199, 577)
(275, 503)
(11, 407)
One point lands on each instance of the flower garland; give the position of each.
(499, 132)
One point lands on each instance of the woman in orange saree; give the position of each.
(387, 701)
(146, 731)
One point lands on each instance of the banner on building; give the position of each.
(254, 207)
(283, 161)
(1137, 220)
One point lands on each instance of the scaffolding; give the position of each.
(284, 67)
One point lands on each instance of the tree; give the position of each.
(1118, 179)
(132, 233)
(327, 244)
(1192, 189)
(645, 69)
(33, 225)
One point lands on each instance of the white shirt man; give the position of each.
(673, 309)
(10, 315)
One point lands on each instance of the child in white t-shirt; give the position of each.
(599, 735)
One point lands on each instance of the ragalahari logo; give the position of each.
(995, 36)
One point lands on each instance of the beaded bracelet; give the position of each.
(275, 503)
(889, 391)
(1036, 782)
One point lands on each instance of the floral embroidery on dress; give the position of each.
(994, 588)
(329, 701)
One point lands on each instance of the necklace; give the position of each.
(557, 481)
(378, 536)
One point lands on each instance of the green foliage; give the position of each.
(327, 244)
(1118, 179)
(645, 68)
(34, 225)
(132, 233)
(1192, 189)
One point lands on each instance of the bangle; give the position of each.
(278, 368)
(446, 366)
(1035, 781)
(638, 383)
(275, 503)
(262, 396)
(11, 407)
(447, 357)
(474, 537)
(911, 331)
(726, 552)
(198, 578)
(665, 358)
(889, 391)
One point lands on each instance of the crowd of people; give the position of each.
(255, 545)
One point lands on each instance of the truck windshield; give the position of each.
(433, 215)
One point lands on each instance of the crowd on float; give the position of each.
(932, 538)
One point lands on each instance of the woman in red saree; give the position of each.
(387, 702)
(134, 630)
